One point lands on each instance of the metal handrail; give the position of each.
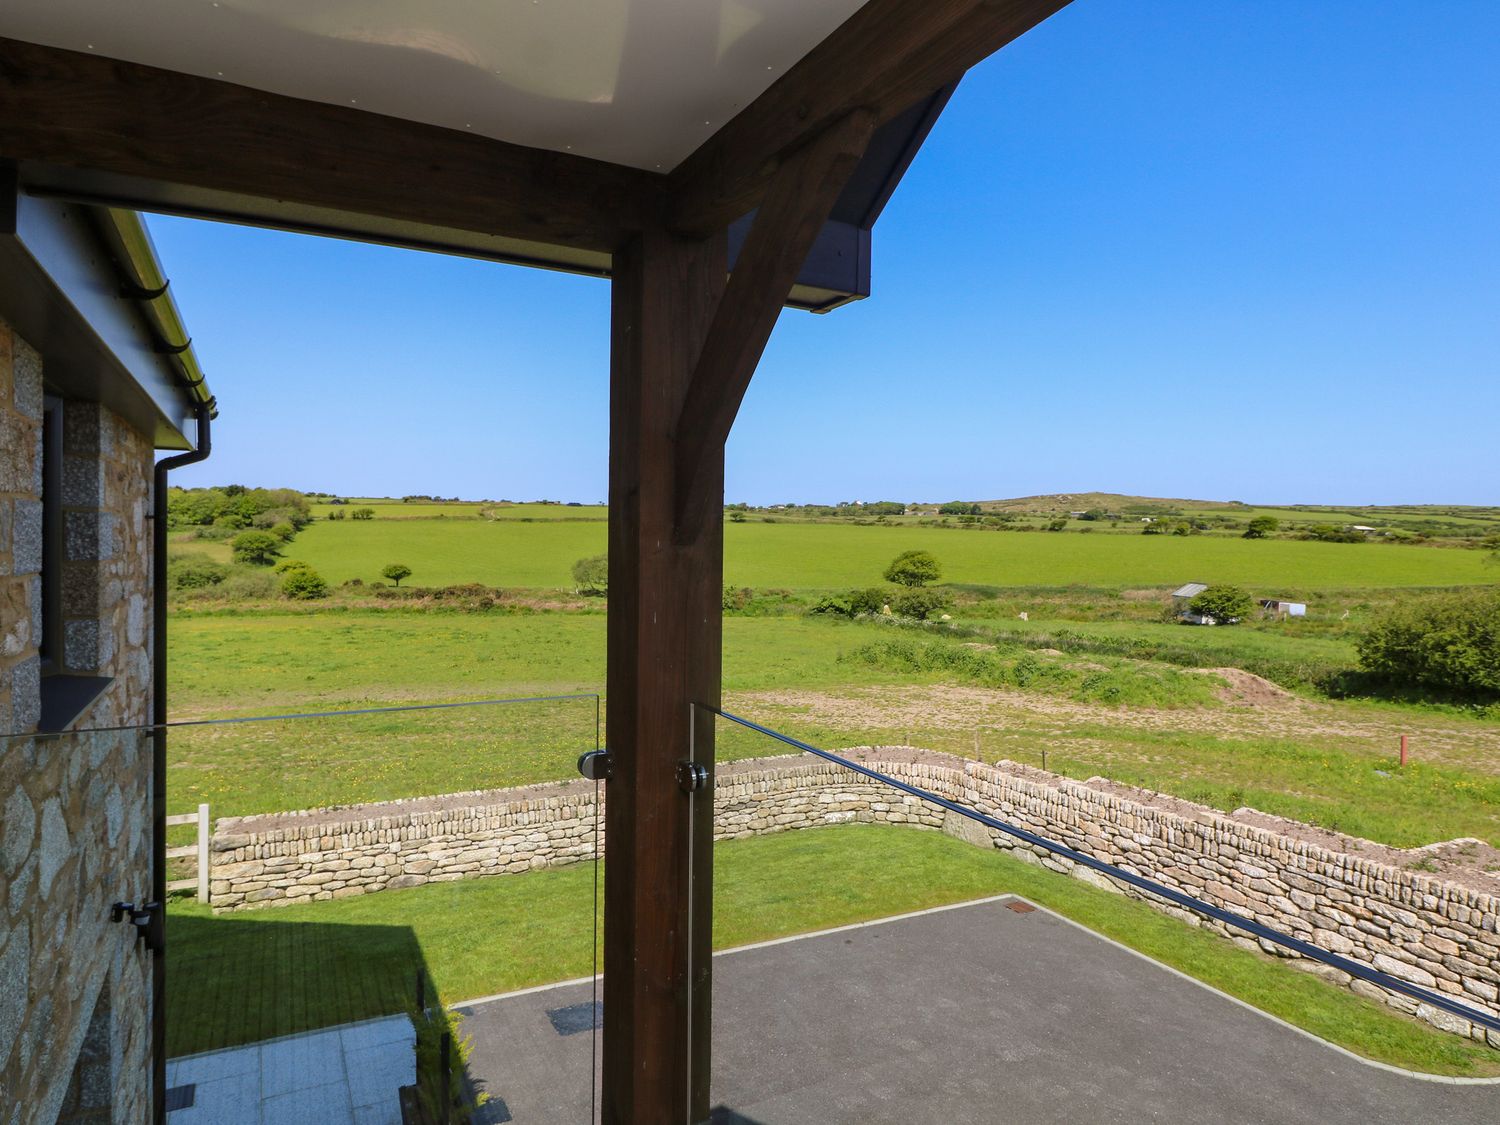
(1228, 917)
(242, 719)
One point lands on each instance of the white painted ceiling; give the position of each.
(638, 82)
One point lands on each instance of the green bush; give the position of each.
(1260, 527)
(591, 575)
(871, 599)
(430, 1027)
(834, 606)
(362, 514)
(1225, 604)
(919, 604)
(395, 572)
(284, 565)
(303, 583)
(283, 531)
(255, 548)
(1444, 642)
(913, 568)
(195, 572)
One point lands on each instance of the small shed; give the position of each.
(1275, 607)
(1182, 600)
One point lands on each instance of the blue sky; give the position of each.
(1226, 251)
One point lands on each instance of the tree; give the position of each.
(913, 568)
(1261, 526)
(919, 604)
(1058, 524)
(255, 548)
(1450, 642)
(395, 572)
(303, 583)
(1225, 604)
(591, 575)
(362, 514)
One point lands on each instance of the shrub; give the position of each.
(195, 572)
(395, 572)
(735, 598)
(1225, 604)
(336, 514)
(362, 514)
(283, 566)
(255, 548)
(1447, 642)
(302, 583)
(591, 576)
(919, 604)
(833, 606)
(1260, 527)
(1058, 524)
(913, 568)
(872, 599)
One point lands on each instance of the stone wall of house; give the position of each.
(75, 822)
(1408, 924)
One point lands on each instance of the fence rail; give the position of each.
(199, 851)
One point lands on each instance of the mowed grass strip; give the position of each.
(254, 974)
(515, 553)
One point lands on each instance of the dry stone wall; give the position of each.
(1410, 925)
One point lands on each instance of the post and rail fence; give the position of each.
(197, 851)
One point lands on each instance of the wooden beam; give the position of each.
(79, 111)
(802, 194)
(665, 591)
(886, 56)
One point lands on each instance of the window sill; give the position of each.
(64, 698)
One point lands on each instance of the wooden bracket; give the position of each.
(796, 206)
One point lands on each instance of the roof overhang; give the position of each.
(82, 285)
(536, 134)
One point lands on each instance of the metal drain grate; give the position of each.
(1020, 907)
(181, 1097)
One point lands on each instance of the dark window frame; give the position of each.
(50, 643)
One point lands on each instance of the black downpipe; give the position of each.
(159, 758)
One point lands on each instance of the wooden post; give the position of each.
(1403, 749)
(665, 592)
(203, 853)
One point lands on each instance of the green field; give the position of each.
(256, 974)
(820, 679)
(516, 553)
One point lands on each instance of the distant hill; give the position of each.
(1063, 502)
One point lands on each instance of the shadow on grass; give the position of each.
(237, 978)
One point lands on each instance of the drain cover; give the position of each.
(1020, 907)
(181, 1097)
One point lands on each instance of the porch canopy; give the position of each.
(717, 159)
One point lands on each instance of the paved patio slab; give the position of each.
(970, 1016)
(345, 1075)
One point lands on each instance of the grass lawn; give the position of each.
(538, 551)
(255, 974)
(800, 675)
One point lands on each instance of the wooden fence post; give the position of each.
(202, 853)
